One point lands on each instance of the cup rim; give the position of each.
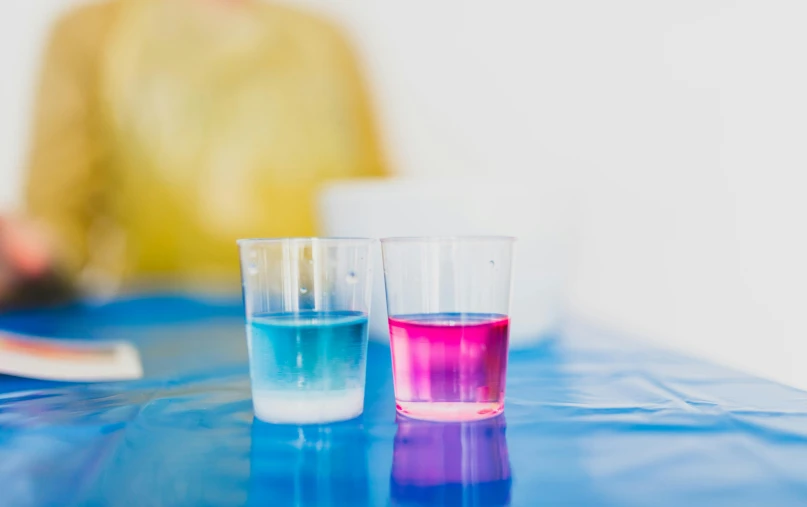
(449, 239)
(304, 240)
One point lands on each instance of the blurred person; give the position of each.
(166, 129)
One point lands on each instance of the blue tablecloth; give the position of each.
(592, 418)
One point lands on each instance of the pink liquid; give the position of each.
(449, 366)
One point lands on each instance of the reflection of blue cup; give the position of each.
(450, 463)
(319, 465)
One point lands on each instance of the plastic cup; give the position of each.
(448, 301)
(307, 301)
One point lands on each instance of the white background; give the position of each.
(681, 124)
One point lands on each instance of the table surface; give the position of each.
(592, 418)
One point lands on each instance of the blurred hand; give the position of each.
(26, 265)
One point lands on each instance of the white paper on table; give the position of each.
(68, 360)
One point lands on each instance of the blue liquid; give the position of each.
(308, 366)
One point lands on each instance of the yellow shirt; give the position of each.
(165, 130)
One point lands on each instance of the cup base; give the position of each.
(306, 407)
(449, 411)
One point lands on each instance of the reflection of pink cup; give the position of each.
(450, 463)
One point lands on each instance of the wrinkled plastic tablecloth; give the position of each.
(592, 418)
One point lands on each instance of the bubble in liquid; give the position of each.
(303, 290)
(351, 277)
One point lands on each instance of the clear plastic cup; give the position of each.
(448, 301)
(307, 301)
